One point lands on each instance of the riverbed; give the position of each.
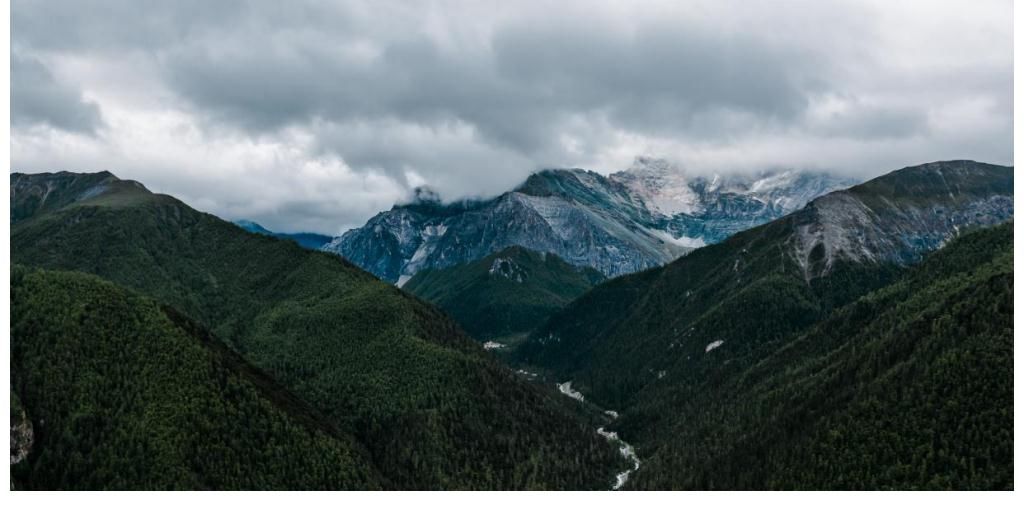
(625, 449)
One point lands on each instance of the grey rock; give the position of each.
(630, 221)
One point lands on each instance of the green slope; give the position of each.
(509, 292)
(122, 393)
(910, 387)
(655, 345)
(763, 284)
(639, 329)
(434, 410)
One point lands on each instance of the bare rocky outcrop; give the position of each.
(21, 437)
(627, 222)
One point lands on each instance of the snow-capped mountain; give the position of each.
(642, 217)
(711, 209)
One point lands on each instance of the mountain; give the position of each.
(623, 223)
(712, 209)
(506, 293)
(663, 345)
(909, 387)
(310, 240)
(36, 196)
(114, 391)
(430, 407)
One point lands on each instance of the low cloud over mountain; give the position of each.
(327, 114)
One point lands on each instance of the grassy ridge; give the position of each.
(434, 410)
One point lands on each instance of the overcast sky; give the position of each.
(317, 115)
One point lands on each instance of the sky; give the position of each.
(315, 115)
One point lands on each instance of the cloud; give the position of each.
(38, 99)
(470, 97)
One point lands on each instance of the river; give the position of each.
(625, 449)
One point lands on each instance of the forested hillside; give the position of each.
(910, 387)
(506, 293)
(123, 393)
(434, 410)
(762, 284)
(826, 349)
(676, 350)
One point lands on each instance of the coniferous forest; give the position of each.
(414, 246)
(157, 347)
(417, 403)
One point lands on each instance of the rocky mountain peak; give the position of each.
(424, 195)
(626, 222)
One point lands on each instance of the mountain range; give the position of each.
(677, 350)
(786, 335)
(310, 240)
(626, 222)
(401, 397)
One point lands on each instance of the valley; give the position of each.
(395, 250)
(775, 358)
(391, 375)
(625, 449)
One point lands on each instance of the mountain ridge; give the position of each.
(506, 293)
(608, 223)
(92, 361)
(381, 365)
(700, 294)
(908, 387)
(310, 240)
(665, 347)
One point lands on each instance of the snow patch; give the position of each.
(773, 181)
(682, 241)
(402, 280)
(662, 186)
(713, 345)
(421, 253)
(435, 230)
(491, 345)
(566, 388)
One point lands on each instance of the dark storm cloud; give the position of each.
(38, 99)
(659, 73)
(470, 96)
(515, 92)
(147, 25)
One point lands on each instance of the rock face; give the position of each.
(712, 209)
(764, 282)
(899, 217)
(632, 220)
(22, 435)
(21, 439)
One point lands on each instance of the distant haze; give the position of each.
(313, 116)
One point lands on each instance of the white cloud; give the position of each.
(314, 116)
